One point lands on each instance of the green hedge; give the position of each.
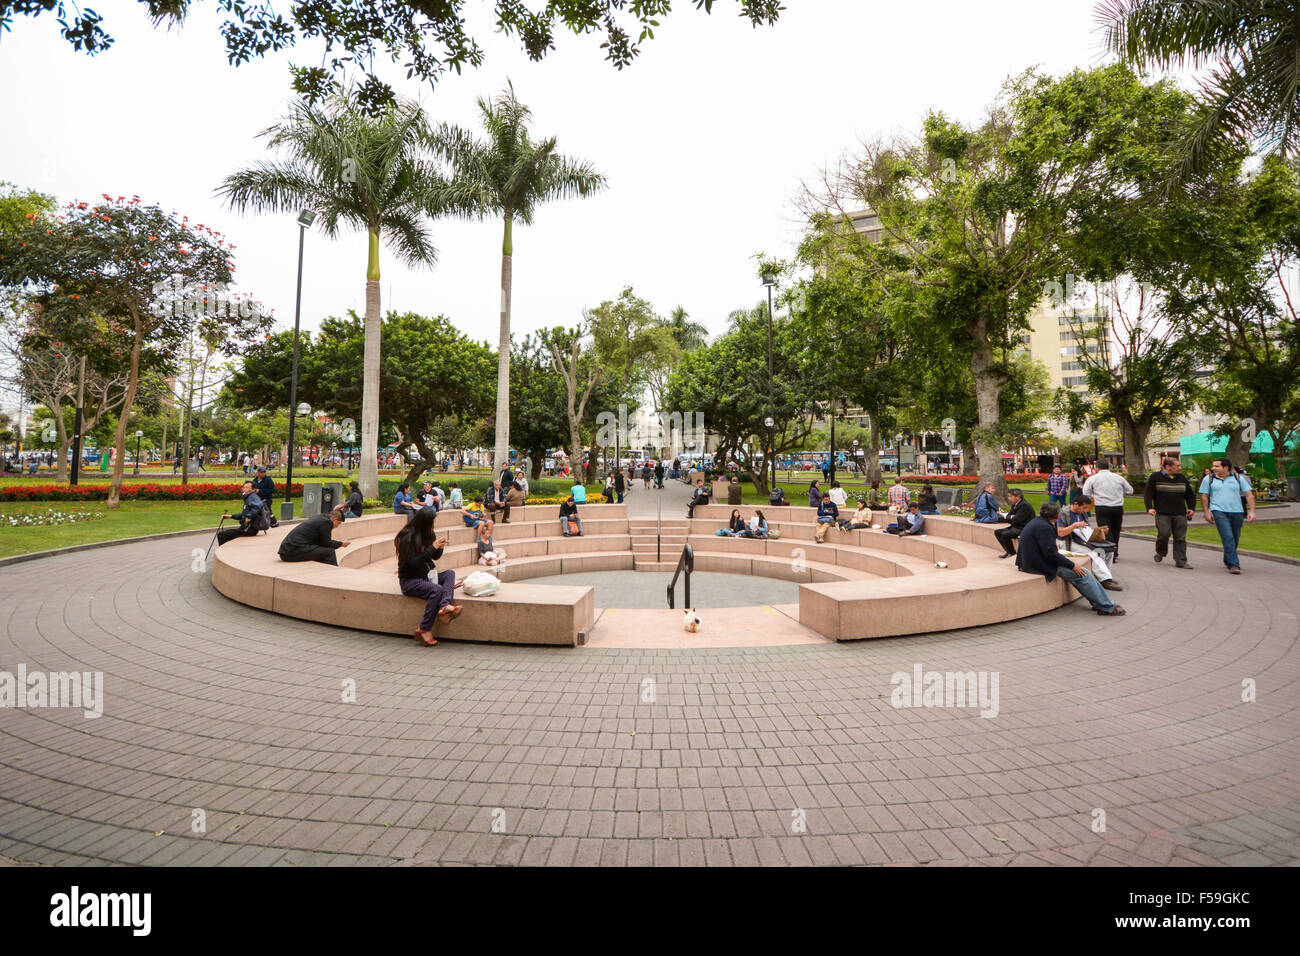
(470, 487)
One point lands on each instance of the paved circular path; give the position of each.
(224, 715)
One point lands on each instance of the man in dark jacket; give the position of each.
(265, 488)
(1171, 500)
(1021, 513)
(247, 518)
(1038, 555)
(313, 539)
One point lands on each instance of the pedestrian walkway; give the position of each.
(1169, 736)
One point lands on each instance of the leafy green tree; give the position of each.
(356, 35)
(973, 220)
(1251, 93)
(727, 382)
(537, 402)
(508, 175)
(357, 171)
(432, 372)
(1237, 303)
(689, 335)
(148, 275)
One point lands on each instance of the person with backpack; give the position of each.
(570, 523)
(251, 520)
(1227, 499)
(265, 488)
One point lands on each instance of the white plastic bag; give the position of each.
(481, 584)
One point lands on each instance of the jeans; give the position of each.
(1057, 499)
(1175, 525)
(1087, 586)
(1229, 524)
(1112, 516)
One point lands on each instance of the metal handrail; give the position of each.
(685, 563)
(659, 517)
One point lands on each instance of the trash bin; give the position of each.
(1293, 486)
(311, 500)
(329, 497)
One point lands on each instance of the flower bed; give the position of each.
(48, 517)
(137, 492)
(971, 479)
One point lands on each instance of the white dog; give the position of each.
(691, 621)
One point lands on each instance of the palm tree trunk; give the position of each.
(368, 467)
(501, 453)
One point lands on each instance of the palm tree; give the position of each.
(361, 171)
(688, 335)
(507, 175)
(1251, 94)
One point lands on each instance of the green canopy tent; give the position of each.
(1197, 451)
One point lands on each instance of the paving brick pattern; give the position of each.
(466, 754)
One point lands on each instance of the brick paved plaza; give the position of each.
(216, 707)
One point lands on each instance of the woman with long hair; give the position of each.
(736, 526)
(417, 549)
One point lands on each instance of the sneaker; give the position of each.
(1112, 586)
(1185, 566)
(1159, 558)
(1234, 570)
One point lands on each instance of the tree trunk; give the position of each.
(501, 452)
(873, 451)
(61, 476)
(368, 467)
(1134, 435)
(119, 455)
(762, 475)
(1238, 450)
(988, 389)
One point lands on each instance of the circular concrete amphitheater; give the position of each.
(858, 584)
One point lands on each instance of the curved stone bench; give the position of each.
(359, 595)
(921, 599)
(857, 584)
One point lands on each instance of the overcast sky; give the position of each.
(704, 141)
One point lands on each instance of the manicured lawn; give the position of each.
(132, 519)
(1282, 537)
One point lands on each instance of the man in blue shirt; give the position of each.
(986, 507)
(579, 492)
(1221, 493)
(913, 522)
(247, 518)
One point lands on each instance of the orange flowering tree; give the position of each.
(141, 276)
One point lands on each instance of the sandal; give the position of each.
(429, 641)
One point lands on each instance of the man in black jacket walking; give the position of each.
(1021, 513)
(1038, 555)
(1171, 500)
(313, 539)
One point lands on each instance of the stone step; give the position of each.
(656, 565)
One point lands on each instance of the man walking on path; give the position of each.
(1221, 496)
(1170, 499)
(1107, 490)
(1058, 485)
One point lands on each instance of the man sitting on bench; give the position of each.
(1021, 513)
(701, 498)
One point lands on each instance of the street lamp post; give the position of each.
(1096, 445)
(138, 436)
(305, 219)
(769, 280)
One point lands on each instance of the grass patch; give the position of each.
(1280, 537)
